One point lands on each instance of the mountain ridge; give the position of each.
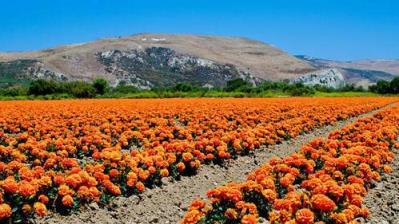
(251, 58)
(147, 60)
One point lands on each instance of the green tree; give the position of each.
(382, 87)
(236, 84)
(42, 87)
(122, 87)
(100, 85)
(81, 89)
(16, 90)
(184, 87)
(394, 85)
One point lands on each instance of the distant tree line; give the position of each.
(41, 87)
(235, 87)
(386, 87)
(78, 89)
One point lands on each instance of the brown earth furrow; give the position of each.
(383, 199)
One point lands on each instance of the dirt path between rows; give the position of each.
(168, 203)
(383, 200)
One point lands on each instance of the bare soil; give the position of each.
(167, 204)
(383, 199)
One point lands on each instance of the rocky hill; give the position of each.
(360, 73)
(148, 60)
(326, 77)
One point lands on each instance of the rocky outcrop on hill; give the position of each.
(327, 77)
(27, 69)
(360, 73)
(158, 66)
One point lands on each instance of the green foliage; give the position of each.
(394, 85)
(13, 72)
(216, 215)
(123, 88)
(48, 90)
(13, 91)
(185, 87)
(262, 204)
(100, 85)
(345, 94)
(78, 89)
(299, 89)
(81, 89)
(237, 84)
(42, 87)
(385, 87)
(351, 88)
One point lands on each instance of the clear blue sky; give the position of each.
(334, 29)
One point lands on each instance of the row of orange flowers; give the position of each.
(61, 154)
(324, 182)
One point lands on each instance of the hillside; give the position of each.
(361, 73)
(148, 60)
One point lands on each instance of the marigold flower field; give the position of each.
(58, 155)
(324, 182)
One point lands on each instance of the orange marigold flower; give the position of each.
(59, 180)
(40, 209)
(131, 179)
(43, 199)
(144, 174)
(9, 185)
(112, 188)
(192, 217)
(195, 164)
(387, 169)
(83, 192)
(197, 204)
(180, 167)
(164, 172)
(269, 194)
(364, 212)
(210, 156)
(73, 180)
(94, 192)
(26, 209)
(152, 169)
(64, 190)
(67, 201)
(356, 200)
(187, 157)
(287, 180)
(348, 214)
(140, 186)
(26, 189)
(249, 219)
(231, 214)
(5, 211)
(304, 216)
(114, 173)
(323, 203)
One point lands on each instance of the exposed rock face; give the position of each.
(158, 66)
(359, 73)
(39, 71)
(27, 69)
(327, 77)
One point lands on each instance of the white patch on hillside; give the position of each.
(327, 77)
